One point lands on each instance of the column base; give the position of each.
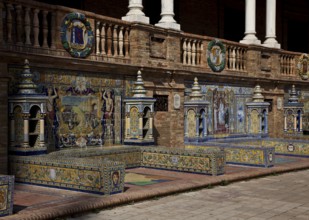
(174, 26)
(272, 43)
(136, 18)
(250, 39)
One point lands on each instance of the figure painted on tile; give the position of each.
(108, 113)
(221, 113)
(115, 178)
(50, 103)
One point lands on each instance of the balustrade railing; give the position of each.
(287, 64)
(112, 39)
(236, 57)
(30, 26)
(192, 50)
(23, 23)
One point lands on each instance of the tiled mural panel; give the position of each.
(83, 108)
(227, 108)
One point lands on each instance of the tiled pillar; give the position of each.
(167, 15)
(151, 125)
(285, 123)
(135, 13)
(42, 125)
(301, 122)
(141, 114)
(197, 126)
(127, 125)
(271, 25)
(204, 125)
(26, 130)
(261, 124)
(250, 37)
(186, 125)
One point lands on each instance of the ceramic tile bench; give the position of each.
(6, 195)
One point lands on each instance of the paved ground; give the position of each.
(278, 197)
(35, 202)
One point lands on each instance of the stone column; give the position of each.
(42, 123)
(271, 25)
(250, 37)
(295, 123)
(150, 136)
(285, 123)
(135, 13)
(167, 15)
(26, 130)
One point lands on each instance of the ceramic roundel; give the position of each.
(77, 35)
(303, 66)
(216, 55)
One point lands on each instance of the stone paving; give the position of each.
(278, 197)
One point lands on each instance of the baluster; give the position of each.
(237, 59)
(103, 52)
(19, 24)
(230, 58)
(241, 57)
(281, 64)
(98, 38)
(227, 57)
(289, 65)
(244, 58)
(109, 40)
(198, 52)
(36, 27)
(115, 40)
(233, 58)
(193, 52)
(27, 26)
(126, 42)
(184, 51)
(45, 29)
(201, 52)
(9, 22)
(292, 66)
(121, 42)
(189, 51)
(53, 29)
(1, 23)
(284, 65)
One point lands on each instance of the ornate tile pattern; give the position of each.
(6, 195)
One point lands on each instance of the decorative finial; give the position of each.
(139, 90)
(26, 85)
(196, 91)
(293, 95)
(257, 94)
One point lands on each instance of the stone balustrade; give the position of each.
(192, 50)
(33, 28)
(287, 64)
(236, 55)
(112, 39)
